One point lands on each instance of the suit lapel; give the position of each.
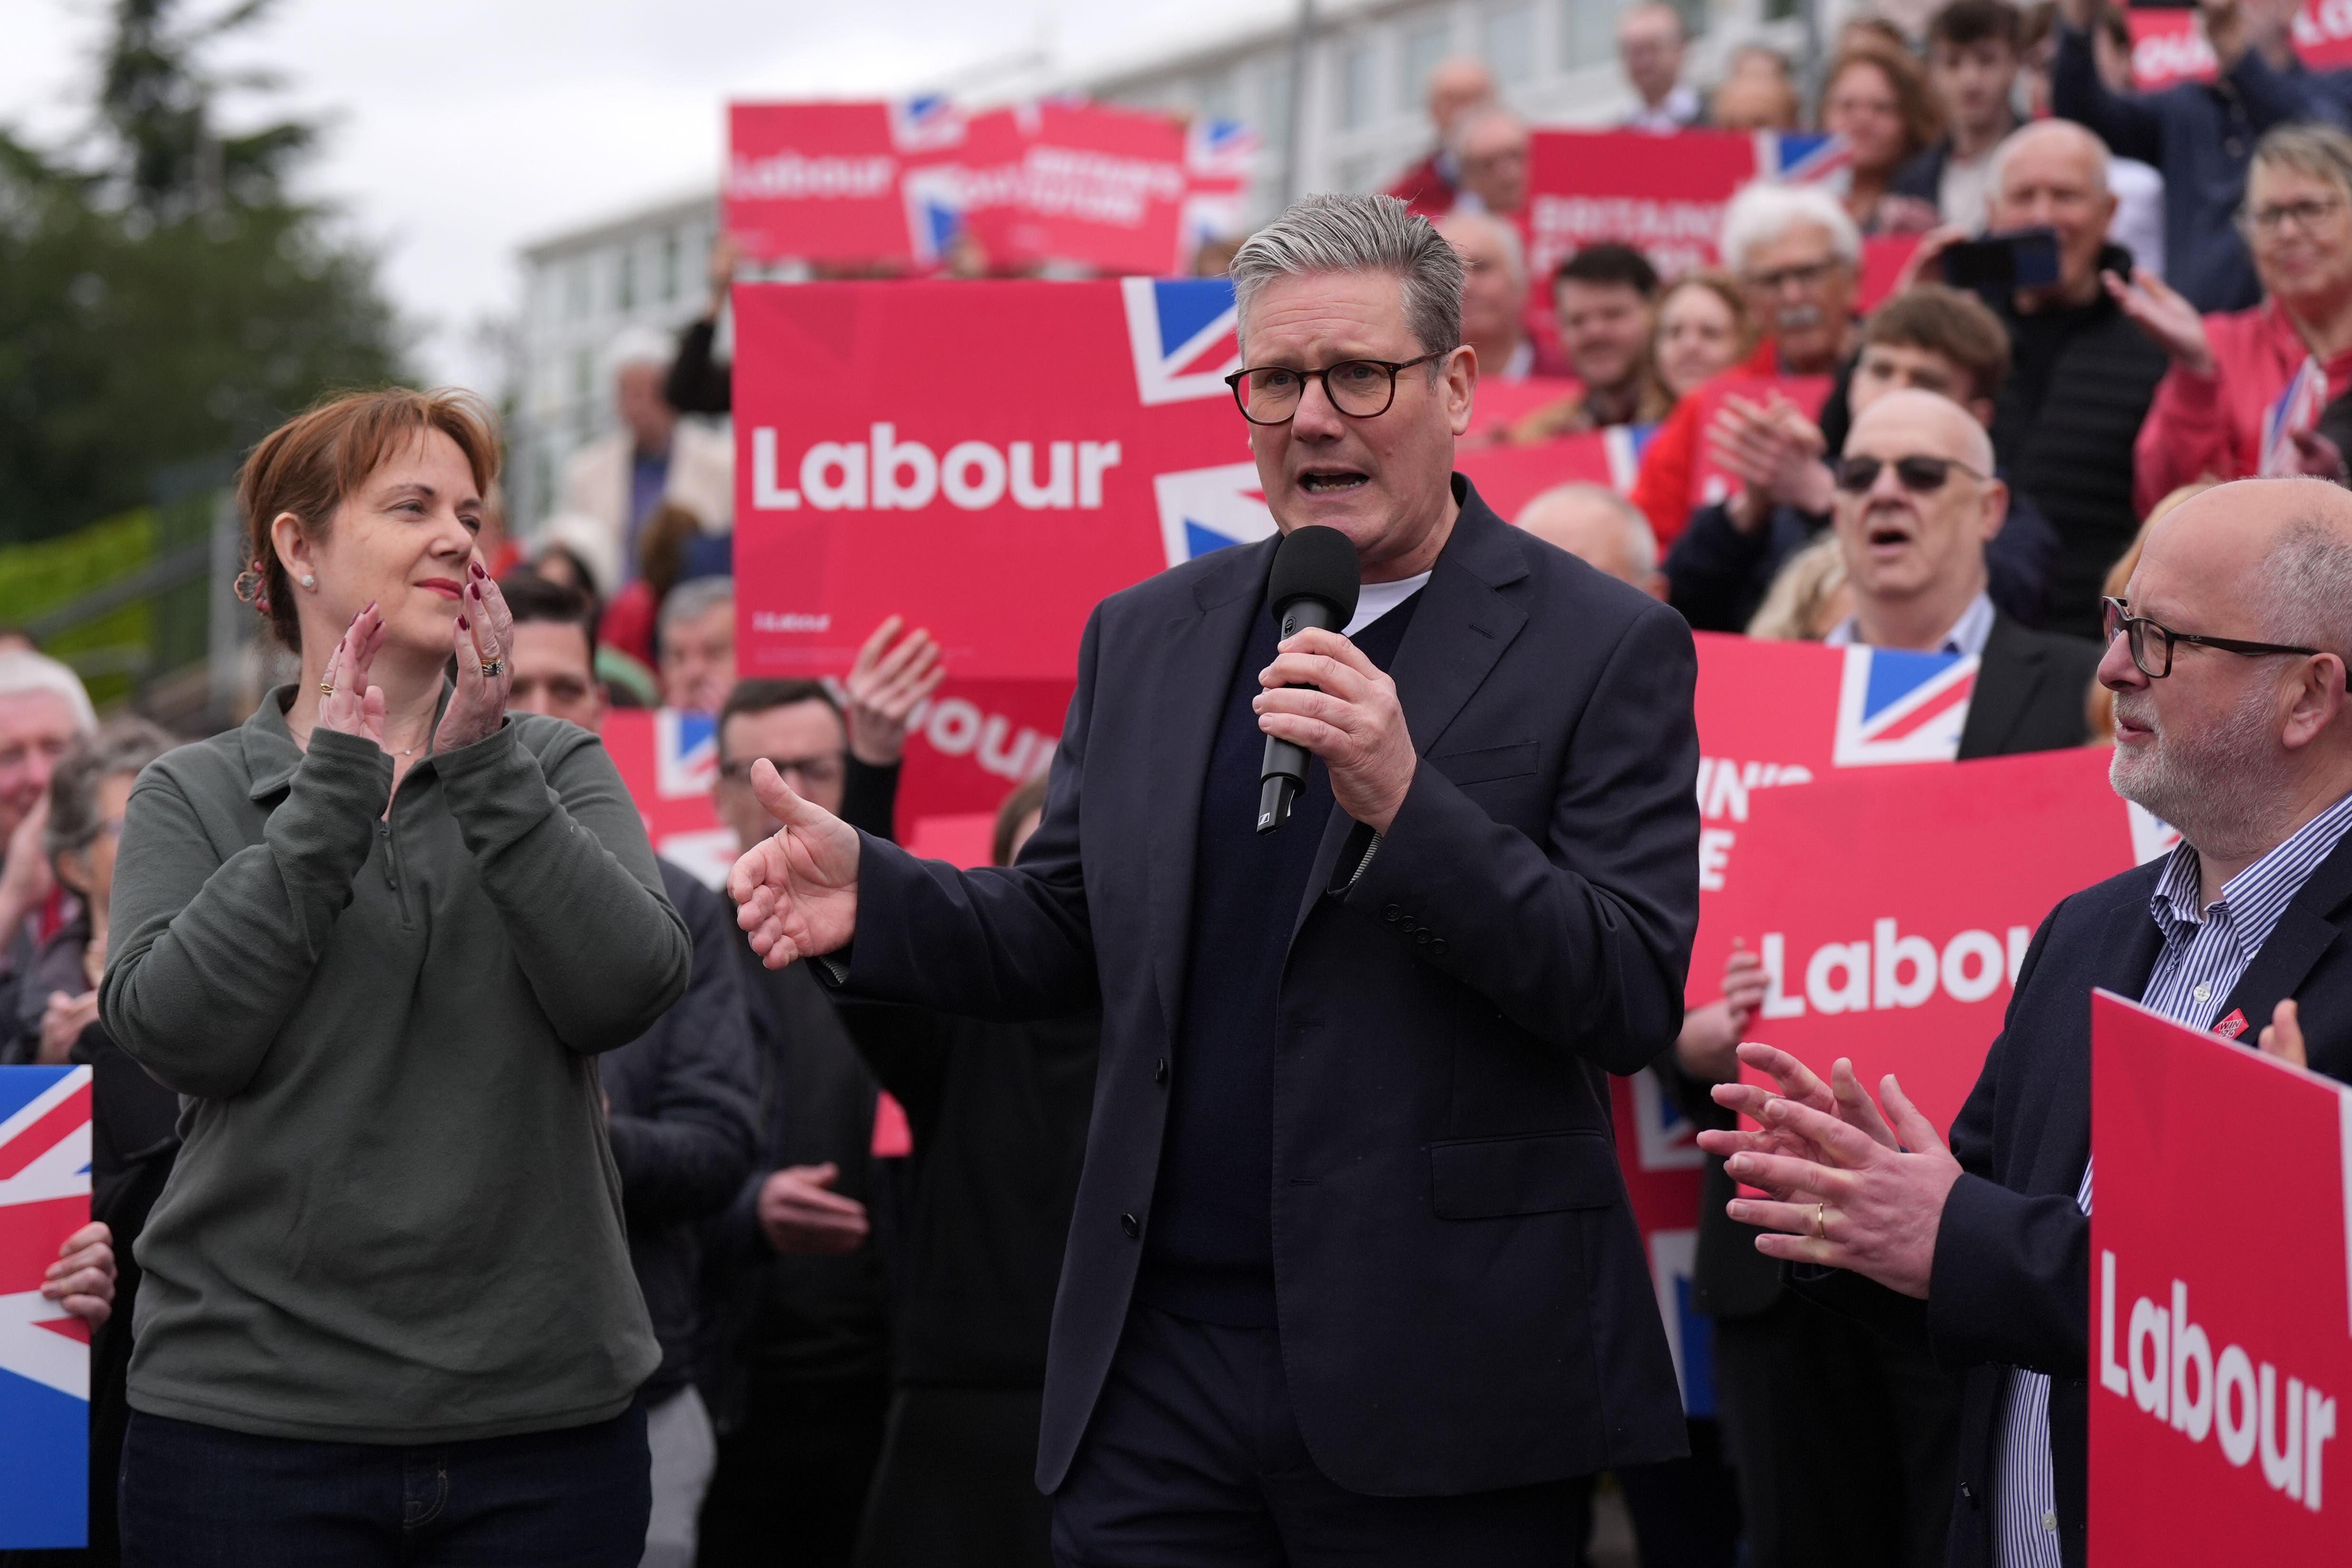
(2304, 932)
(2129, 945)
(2009, 676)
(1196, 662)
(1459, 630)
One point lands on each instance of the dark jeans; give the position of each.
(1194, 1455)
(1846, 1444)
(202, 1497)
(790, 1483)
(1685, 1511)
(957, 1487)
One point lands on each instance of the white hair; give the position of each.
(1359, 234)
(638, 345)
(692, 599)
(1641, 539)
(1506, 234)
(1764, 211)
(1997, 169)
(27, 672)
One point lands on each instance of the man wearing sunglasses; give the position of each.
(1352, 1276)
(2227, 657)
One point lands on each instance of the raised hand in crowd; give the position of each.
(2174, 325)
(24, 877)
(1850, 1188)
(62, 1022)
(795, 891)
(479, 639)
(82, 1279)
(724, 256)
(1708, 1046)
(347, 703)
(1775, 452)
(800, 1213)
(888, 682)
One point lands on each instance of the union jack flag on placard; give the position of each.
(1185, 337)
(1900, 707)
(1202, 509)
(1804, 158)
(43, 1351)
(2295, 412)
(927, 123)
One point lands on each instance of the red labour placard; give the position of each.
(827, 182)
(988, 459)
(2220, 1331)
(2169, 47)
(1087, 183)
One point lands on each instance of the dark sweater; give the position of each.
(698, 383)
(998, 1114)
(684, 1127)
(2064, 426)
(1209, 1241)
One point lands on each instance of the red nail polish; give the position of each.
(477, 570)
(461, 624)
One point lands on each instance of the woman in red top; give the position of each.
(2228, 369)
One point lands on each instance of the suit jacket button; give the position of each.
(1408, 925)
(1393, 914)
(1422, 936)
(1160, 1073)
(1127, 1222)
(1436, 947)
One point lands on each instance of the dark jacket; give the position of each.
(1463, 1297)
(999, 1116)
(2080, 381)
(2011, 1284)
(1717, 576)
(698, 383)
(684, 1124)
(2029, 696)
(2200, 137)
(56, 965)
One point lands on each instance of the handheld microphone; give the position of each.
(1314, 583)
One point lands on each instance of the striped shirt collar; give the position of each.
(2254, 899)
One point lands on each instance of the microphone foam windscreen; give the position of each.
(1315, 563)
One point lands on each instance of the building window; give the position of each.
(1508, 40)
(584, 376)
(1588, 33)
(673, 261)
(1218, 97)
(624, 280)
(1426, 45)
(575, 288)
(1355, 102)
(1273, 93)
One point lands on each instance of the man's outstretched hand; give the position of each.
(795, 890)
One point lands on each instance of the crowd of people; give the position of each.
(815, 1241)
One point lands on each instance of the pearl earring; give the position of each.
(308, 580)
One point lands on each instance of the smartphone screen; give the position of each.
(2025, 258)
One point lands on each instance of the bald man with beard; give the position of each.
(2227, 659)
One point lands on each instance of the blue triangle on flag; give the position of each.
(19, 1087)
(1895, 673)
(1199, 540)
(1185, 305)
(695, 730)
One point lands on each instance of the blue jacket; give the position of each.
(2201, 136)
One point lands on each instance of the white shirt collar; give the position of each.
(1966, 639)
(1376, 599)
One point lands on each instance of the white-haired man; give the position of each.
(2227, 659)
(1494, 293)
(43, 709)
(1351, 1276)
(614, 483)
(1599, 527)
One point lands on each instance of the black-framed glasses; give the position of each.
(821, 771)
(1358, 388)
(1803, 274)
(1919, 474)
(2151, 641)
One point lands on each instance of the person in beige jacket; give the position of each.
(613, 484)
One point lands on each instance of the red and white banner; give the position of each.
(2169, 47)
(45, 1143)
(1116, 189)
(2220, 1328)
(988, 459)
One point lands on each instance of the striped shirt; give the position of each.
(2206, 954)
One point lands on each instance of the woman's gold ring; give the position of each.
(1822, 1221)
(493, 668)
(326, 689)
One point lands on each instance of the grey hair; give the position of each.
(2321, 151)
(1641, 539)
(1506, 234)
(1997, 171)
(22, 672)
(117, 748)
(2307, 575)
(1359, 234)
(692, 599)
(1764, 211)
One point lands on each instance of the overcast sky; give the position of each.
(460, 130)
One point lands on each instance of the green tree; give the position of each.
(165, 302)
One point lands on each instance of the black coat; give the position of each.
(2079, 385)
(1463, 1297)
(2011, 1284)
(2029, 696)
(684, 1126)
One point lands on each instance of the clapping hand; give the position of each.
(347, 703)
(795, 890)
(885, 686)
(1775, 452)
(2171, 320)
(1708, 1045)
(62, 1022)
(483, 632)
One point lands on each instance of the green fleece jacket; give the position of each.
(395, 1218)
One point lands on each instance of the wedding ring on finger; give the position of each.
(1822, 1221)
(493, 668)
(327, 686)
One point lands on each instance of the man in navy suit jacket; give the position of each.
(1352, 1274)
(2227, 660)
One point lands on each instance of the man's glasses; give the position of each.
(1804, 275)
(1920, 475)
(819, 772)
(2305, 215)
(1358, 388)
(2151, 642)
